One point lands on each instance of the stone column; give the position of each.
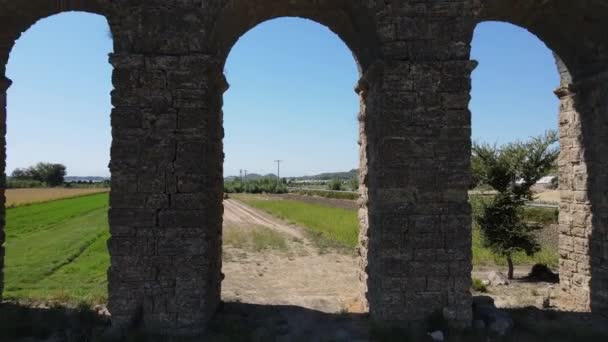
(4, 85)
(583, 178)
(166, 201)
(418, 140)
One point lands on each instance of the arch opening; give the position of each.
(514, 99)
(57, 113)
(350, 22)
(291, 99)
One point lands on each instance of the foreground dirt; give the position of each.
(16, 197)
(520, 292)
(299, 275)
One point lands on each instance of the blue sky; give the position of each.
(291, 95)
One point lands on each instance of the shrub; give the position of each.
(22, 184)
(479, 286)
(329, 194)
(541, 215)
(265, 185)
(335, 185)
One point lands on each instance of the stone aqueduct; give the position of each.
(415, 138)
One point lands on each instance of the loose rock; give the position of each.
(498, 278)
(437, 336)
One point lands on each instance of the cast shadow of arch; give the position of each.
(254, 322)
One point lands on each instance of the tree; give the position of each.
(353, 183)
(512, 170)
(21, 174)
(335, 185)
(51, 174)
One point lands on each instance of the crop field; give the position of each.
(17, 197)
(57, 250)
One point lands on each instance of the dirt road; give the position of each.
(299, 275)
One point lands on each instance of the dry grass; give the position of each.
(17, 197)
(254, 238)
(549, 196)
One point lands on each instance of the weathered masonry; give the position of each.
(166, 200)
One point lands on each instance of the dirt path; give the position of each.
(238, 213)
(299, 276)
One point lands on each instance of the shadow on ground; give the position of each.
(54, 323)
(251, 322)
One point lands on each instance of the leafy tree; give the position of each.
(51, 174)
(335, 185)
(512, 170)
(353, 183)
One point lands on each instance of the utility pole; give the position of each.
(278, 171)
(241, 175)
(245, 175)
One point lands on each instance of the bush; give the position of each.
(541, 215)
(23, 184)
(479, 286)
(353, 196)
(266, 185)
(335, 185)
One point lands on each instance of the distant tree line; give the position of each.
(258, 186)
(41, 174)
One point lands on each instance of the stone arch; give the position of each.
(15, 19)
(348, 19)
(573, 32)
(352, 23)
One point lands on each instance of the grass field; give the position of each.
(57, 250)
(18, 197)
(334, 224)
(342, 226)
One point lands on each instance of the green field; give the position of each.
(331, 224)
(341, 225)
(57, 250)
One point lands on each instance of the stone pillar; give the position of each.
(583, 178)
(4, 85)
(417, 136)
(166, 201)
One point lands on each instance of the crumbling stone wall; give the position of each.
(165, 216)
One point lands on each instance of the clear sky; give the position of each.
(291, 95)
